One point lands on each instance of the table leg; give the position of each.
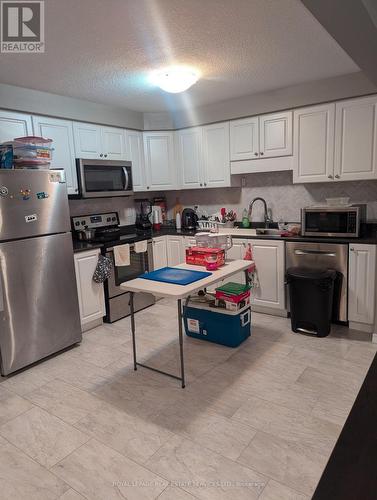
(247, 277)
(181, 342)
(133, 327)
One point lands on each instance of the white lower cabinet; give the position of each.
(160, 256)
(270, 264)
(362, 283)
(90, 294)
(175, 250)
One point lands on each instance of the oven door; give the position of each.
(139, 263)
(104, 178)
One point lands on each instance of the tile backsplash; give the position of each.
(282, 196)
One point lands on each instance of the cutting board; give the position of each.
(175, 275)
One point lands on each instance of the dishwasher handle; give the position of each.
(315, 252)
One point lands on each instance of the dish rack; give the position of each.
(211, 225)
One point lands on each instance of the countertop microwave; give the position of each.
(104, 178)
(333, 221)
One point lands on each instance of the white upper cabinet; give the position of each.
(362, 283)
(313, 144)
(190, 157)
(216, 160)
(61, 132)
(14, 125)
(113, 143)
(94, 141)
(160, 165)
(135, 154)
(244, 139)
(356, 139)
(275, 134)
(87, 140)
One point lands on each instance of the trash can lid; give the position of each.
(308, 273)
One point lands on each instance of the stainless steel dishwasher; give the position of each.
(323, 256)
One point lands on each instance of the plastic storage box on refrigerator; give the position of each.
(217, 325)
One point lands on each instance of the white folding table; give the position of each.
(179, 292)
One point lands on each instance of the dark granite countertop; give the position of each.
(350, 473)
(369, 236)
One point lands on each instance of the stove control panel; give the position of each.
(95, 221)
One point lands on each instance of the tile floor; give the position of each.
(259, 421)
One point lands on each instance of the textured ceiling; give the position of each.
(103, 50)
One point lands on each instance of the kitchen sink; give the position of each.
(268, 231)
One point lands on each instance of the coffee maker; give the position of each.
(143, 222)
(189, 219)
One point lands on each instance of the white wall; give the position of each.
(330, 89)
(285, 198)
(44, 103)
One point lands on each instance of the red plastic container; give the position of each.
(197, 256)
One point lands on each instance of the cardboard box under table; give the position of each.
(216, 324)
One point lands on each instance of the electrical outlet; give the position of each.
(243, 182)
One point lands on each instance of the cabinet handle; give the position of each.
(101, 155)
(262, 153)
(105, 156)
(205, 183)
(201, 185)
(256, 154)
(147, 187)
(337, 176)
(330, 176)
(352, 249)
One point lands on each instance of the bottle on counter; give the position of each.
(178, 222)
(245, 218)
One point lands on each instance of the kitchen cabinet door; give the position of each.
(88, 142)
(313, 144)
(269, 260)
(160, 257)
(61, 132)
(135, 154)
(190, 158)
(356, 139)
(216, 155)
(275, 134)
(91, 294)
(362, 283)
(175, 250)
(160, 163)
(14, 125)
(189, 241)
(235, 253)
(244, 139)
(113, 143)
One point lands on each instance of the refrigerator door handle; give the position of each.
(1, 286)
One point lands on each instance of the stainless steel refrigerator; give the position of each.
(39, 312)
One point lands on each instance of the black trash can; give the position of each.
(311, 295)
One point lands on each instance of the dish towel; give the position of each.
(141, 246)
(103, 269)
(122, 255)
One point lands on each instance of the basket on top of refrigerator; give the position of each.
(32, 152)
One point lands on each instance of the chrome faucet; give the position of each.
(267, 211)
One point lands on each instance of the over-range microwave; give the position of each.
(104, 178)
(332, 221)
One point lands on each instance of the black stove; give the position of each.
(106, 230)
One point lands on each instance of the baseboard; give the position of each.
(362, 327)
(270, 310)
(91, 324)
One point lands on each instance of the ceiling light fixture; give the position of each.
(175, 79)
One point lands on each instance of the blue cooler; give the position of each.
(217, 325)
